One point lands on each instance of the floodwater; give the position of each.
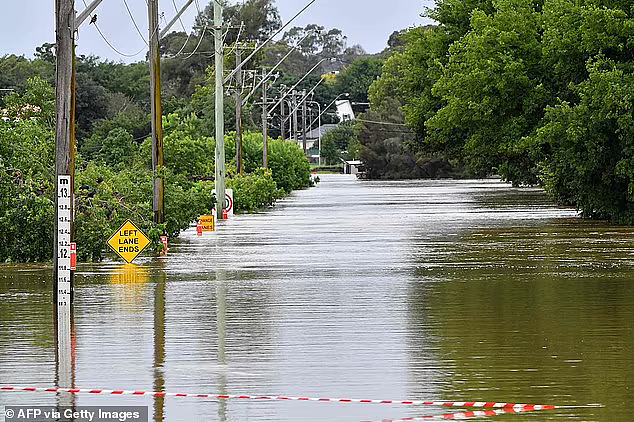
(421, 290)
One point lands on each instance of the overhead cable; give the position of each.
(381, 123)
(110, 44)
(134, 22)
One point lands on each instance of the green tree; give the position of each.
(357, 78)
(118, 148)
(493, 92)
(407, 78)
(340, 142)
(386, 148)
(289, 166)
(317, 40)
(403, 94)
(27, 168)
(590, 149)
(260, 17)
(455, 15)
(329, 151)
(15, 71)
(253, 191)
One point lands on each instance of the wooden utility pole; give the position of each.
(294, 108)
(64, 148)
(282, 128)
(64, 191)
(157, 114)
(220, 105)
(238, 111)
(304, 120)
(265, 120)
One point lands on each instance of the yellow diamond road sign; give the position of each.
(128, 242)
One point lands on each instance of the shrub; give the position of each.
(289, 166)
(254, 191)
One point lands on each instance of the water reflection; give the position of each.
(66, 353)
(431, 290)
(160, 287)
(529, 310)
(221, 322)
(130, 274)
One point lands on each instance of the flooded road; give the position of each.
(422, 290)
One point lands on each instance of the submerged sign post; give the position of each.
(228, 208)
(129, 241)
(206, 223)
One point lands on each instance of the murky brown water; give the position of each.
(426, 290)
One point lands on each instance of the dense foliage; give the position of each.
(26, 167)
(116, 183)
(538, 92)
(253, 191)
(340, 143)
(113, 169)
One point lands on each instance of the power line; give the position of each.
(114, 49)
(381, 123)
(202, 35)
(134, 22)
(112, 46)
(235, 45)
(197, 6)
(184, 44)
(179, 18)
(188, 35)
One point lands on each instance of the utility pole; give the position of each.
(265, 119)
(157, 114)
(294, 105)
(64, 191)
(304, 120)
(220, 106)
(282, 120)
(64, 149)
(239, 111)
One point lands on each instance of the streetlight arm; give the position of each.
(328, 106)
(298, 82)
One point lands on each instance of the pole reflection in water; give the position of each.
(159, 344)
(65, 348)
(221, 322)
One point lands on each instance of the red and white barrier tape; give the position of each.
(484, 405)
(475, 414)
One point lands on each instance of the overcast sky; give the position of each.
(27, 24)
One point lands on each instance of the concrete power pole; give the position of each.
(220, 105)
(265, 119)
(238, 112)
(64, 148)
(157, 114)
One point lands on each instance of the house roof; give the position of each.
(324, 129)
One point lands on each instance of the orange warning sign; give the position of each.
(207, 222)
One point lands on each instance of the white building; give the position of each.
(344, 110)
